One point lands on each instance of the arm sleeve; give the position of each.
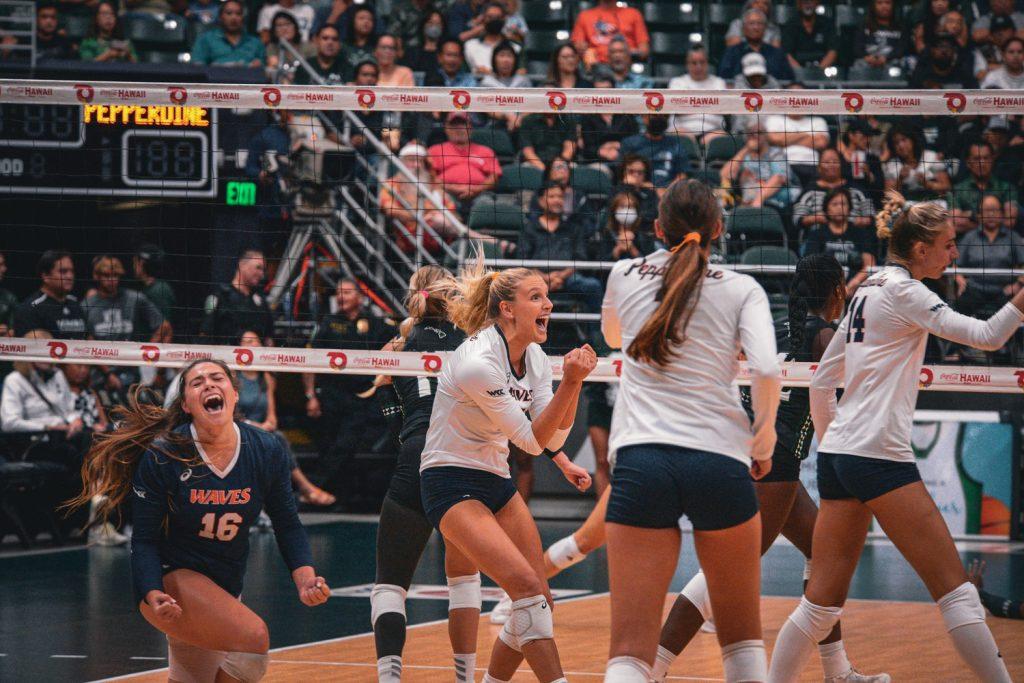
(149, 510)
(917, 305)
(542, 395)
(280, 506)
(757, 337)
(391, 407)
(11, 401)
(486, 387)
(826, 380)
(611, 326)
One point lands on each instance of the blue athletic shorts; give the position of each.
(654, 485)
(444, 487)
(842, 476)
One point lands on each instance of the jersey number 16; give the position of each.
(223, 529)
(856, 324)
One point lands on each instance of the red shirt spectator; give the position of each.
(595, 28)
(464, 168)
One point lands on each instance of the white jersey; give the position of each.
(876, 354)
(481, 406)
(694, 401)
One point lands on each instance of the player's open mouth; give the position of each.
(213, 404)
(542, 324)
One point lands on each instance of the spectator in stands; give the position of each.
(809, 210)
(423, 58)
(331, 63)
(810, 40)
(965, 198)
(465, 19)
(668, 157)
(381, 124)
(992, 245)
(148, 267)
(52, 307)
(86, 402)
(542, 137)
(754, 76)
(621, 64)
(926, 23)
(564, 69)
(303, 13)
(203, 11)
(229, 44)
(1009, 76)
(405, 19)
(285, 29)
(267, 149)
(852, 246)
(1008, 158)
(701, 127)
(776, 61)
(116, 314)
(1002, 30)
(466, 169)
(953, 24)
(105, 40)
(391, 73)
(981, 30)
(238, 306)
(478, 50)
(799, 138)
(450, 71)
(345, 423)
(911, 169)
(8, 303)
(880, 41)
(596, 27)
(398, 187)
(635, 176)
(51, 41)
(941, 67)
(761, 178)
(516, 29)
(360, 38)
(624, 235)
(503, 75)
(601, 135)
(772, 33)
(257, 402)
(550, 237)
(860, 165)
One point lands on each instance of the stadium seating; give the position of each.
(749, 226)
(498, 218)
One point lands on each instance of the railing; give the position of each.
(18, 20)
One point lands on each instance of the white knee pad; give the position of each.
(245, 666)
(385, 598)
(962, 606)
(696, 591)
(464, 592)
(745, 661)
(506, 636)
(815, 621)
(627, 670)
(531, 620)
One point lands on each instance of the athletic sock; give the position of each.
(964, 618)
(389, 669)
(804, 629)
(662, 663)
(627, 670)
(834, 661)
(745, 662)
(488, 678)
(1001, 607)
(565, 552)
(465, 668)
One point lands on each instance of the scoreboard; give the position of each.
(108, 150)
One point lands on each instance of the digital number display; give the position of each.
(161, 159)
(40, 125)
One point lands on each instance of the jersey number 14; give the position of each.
(856, 324)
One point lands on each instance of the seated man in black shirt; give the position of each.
(239, 306)
(52, 307)
(942, 67)
(51, 41)
(330, 63)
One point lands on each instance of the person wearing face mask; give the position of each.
(478, 50)
(623, 235)
(669, 159)
(424, 57)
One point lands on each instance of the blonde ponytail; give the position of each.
(479, 292)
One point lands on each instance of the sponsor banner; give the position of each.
(524, 100)
(410, 363)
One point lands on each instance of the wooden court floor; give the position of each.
(906, 639)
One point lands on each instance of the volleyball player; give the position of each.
(865, 463)
(197, 480)
(404, 530)
(681, 439)
(484, 390)
(816, 299)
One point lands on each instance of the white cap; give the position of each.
(754, 64)
(412, 150)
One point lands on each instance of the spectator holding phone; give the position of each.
(105, 40)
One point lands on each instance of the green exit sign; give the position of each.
(240, 194)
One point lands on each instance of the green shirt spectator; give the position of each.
(229, 44)
(965, 198)
(105, 40)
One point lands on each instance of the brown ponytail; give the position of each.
(904, 225)
(430, 289)
(111, 461)
(688, 215)
(479, 292)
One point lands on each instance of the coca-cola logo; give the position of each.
(1020, 378)
(58, 349)
(617, 364)
(84, 92)
(654, 101)
(431, 362)
(150, 354)
(337, 360)
(956, 102)
(853, 101)
(557, 100)
(366, 98)
(461, 99)
(926, 378)
(243, 357)
(178, 95)
(753, 101)
(271, 96)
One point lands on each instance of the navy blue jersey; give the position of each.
(417, 393)
(186, 515)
